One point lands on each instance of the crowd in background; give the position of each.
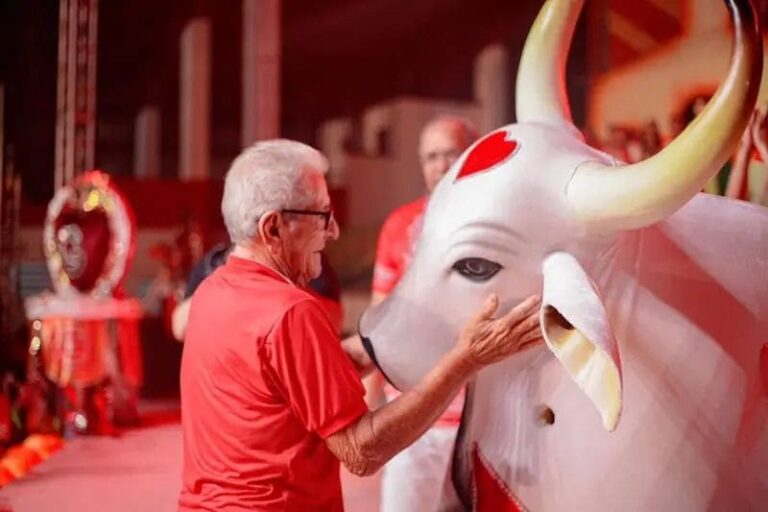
(744, 177)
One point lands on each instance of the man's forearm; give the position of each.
(738, 175)
(379, 435)
(353, 346)
(180, 318)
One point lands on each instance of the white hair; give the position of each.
(269, 175)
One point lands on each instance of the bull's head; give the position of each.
(532, 207)
(631, 292)
(632, 288)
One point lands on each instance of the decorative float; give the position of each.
(85, 335)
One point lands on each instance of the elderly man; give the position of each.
(270, 401)
(416, 478)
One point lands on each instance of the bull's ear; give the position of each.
(577, 331)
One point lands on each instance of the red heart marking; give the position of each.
(489, 152)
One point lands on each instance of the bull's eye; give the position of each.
(476, 269)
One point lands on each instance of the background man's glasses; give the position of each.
(327, 216)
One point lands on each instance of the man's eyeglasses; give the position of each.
(327, 216)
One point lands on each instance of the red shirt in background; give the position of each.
(397, 242)
(263, 381)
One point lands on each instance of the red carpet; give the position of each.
(136, 471)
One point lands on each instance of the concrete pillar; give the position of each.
(195, 101)
(492, 87)
(331, 136)
(701, 16)
(147, 143)
(261, 71)
(375, 120)
(76, 90)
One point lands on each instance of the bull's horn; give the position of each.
(637, 195)
(541, 94)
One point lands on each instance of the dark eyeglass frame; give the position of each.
(326, 215)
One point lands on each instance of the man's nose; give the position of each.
(333, 230)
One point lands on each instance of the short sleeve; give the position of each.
(386, 268)
(318, 379)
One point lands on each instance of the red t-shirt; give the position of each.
(263, 381)
(397, 242)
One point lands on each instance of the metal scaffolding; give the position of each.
(76, 89)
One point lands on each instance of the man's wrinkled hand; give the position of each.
(487, 339)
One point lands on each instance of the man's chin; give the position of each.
(311, 275)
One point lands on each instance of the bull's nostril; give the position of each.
(546, 416)
(368, 346)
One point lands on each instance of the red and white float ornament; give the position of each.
(86, 333)
(89, 237)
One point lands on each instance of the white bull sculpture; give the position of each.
(652, 390)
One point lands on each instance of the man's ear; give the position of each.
(270, 228)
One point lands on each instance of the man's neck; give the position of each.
(261, 256)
